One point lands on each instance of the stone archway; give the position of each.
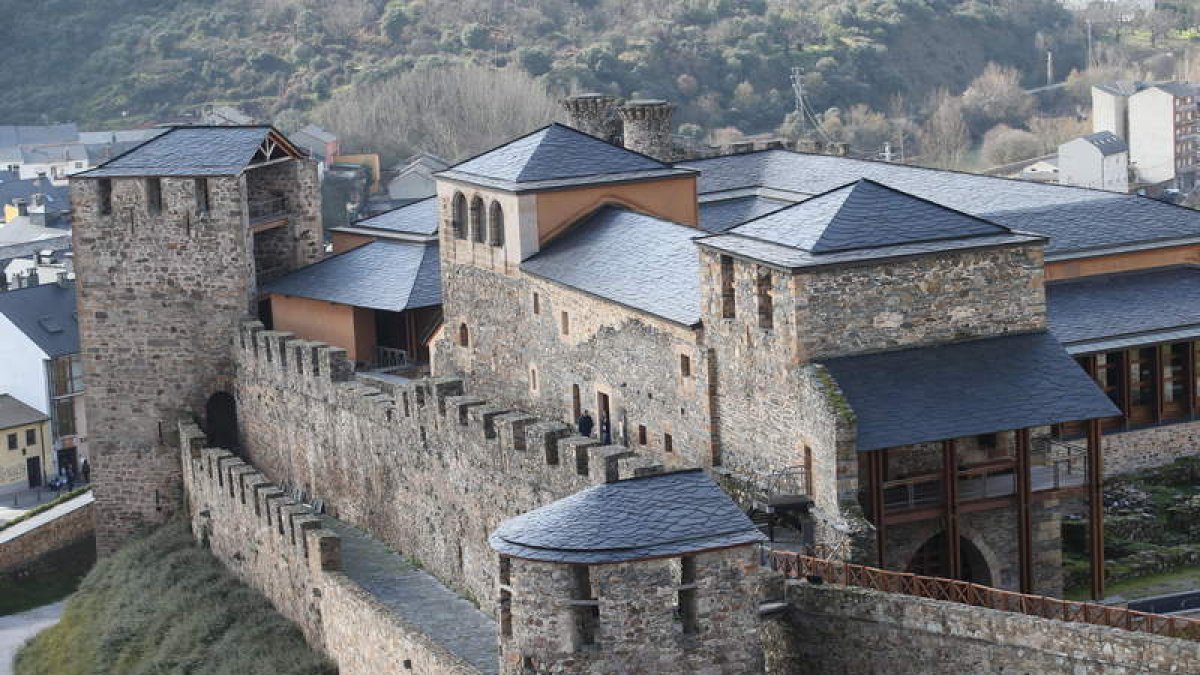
(931, 560)
(220, 421)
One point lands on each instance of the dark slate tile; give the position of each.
(188, 151)
(46, 314)
(387, 275)
(1115, 306)
(419, 217)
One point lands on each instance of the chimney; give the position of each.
(37, 203)
(647, 128)
(22, 206)
(594, 114)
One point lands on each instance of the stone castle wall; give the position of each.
(1129, 451)
(74, 528)
(422, 466)
(831, 629)
(280, 548)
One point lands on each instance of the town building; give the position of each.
(1162, 134)
(1099, 161)
(23, 445)
(413, 179)
(39, 345)
(321, 145)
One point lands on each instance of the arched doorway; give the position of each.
(931, 560)
(220, 421)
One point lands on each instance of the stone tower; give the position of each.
(595, 115)
(646, 126)
(171, 240)
(656, 574)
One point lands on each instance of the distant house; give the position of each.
(1162, 128)
(39, 347)
(12, 138)
(40, 193)
(1041, 171)
(413, 179)
(55, 161)
(23, 444)
(1099, 161)
(321, 145)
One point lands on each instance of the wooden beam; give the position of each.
(1189, 379)
(950, 507)
(1024, 512)
(1095, 483)
(876, 470)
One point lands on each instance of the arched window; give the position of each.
(496, 225)
(464, 335)
(477, 222)
(458, 216)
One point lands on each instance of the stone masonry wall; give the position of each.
(831, 629)
(920, 301)
(279, 548)
(1129, 451)
(26, 549)
(631, 357)
(423, 467)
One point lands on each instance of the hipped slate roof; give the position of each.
(13, 413)
(418, 218)
(557, 156)
(191, 151)
(630, 258)
(860, 221)
(386, 275)
(962, 389)
(1125, 310)
(1078, 221)
(46, 315)
(1107, 142)
(719, 216)
(662, 515)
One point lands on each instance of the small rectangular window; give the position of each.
(685, 365)
(537, 305)
(104, 186)
(533, 379)
(668, 443)
(202, 195)
(12, 441)
(641, 434)
(689, 615)
(728, 303)
(766, 308)
(154, 195)
(31, 437)
(566, 323)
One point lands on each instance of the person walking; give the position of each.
(584, 424)
(87, 471)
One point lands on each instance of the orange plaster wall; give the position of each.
(669, 198)
(1123, 262)
(339, 325)
(344, 241)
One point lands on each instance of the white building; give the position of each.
(414, 178)
(1162, 134)
(1099, 161)
(55, 162)
(1110, 106)
(39, 347)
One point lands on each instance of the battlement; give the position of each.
(430, 405)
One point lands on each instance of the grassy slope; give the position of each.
(163, 605)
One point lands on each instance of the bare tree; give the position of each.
(1005, 145)
(944, 138)
(996, 97)
(453, 111)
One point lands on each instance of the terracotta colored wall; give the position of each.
(1124, 262)
(323, 321)
(344, 241)
(669, 198)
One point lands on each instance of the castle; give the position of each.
(873, 365)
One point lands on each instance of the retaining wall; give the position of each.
(70, 523)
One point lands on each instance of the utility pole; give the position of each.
(798, 90)
(1049, 67)
(1089, 44)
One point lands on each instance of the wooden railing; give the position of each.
(797, 566)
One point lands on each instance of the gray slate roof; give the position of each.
(387, 275)
(188, 151)
(12, 136)
(418, 218)
(962, 389)
(719, 216)
(1125, 310)
(662, 515)
(1107, 143)
(46, 315)
(13, 413)
(12, 187)
(1077, 220)
(556, 156)
(630, 258)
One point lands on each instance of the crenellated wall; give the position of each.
(282, 549)
(422, 465)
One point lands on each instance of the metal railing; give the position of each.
(390, 357)
(267, 207)
(836, 572)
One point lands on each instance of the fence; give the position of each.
(795, 565)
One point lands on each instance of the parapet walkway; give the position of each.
(418, 597)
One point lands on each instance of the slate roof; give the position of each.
(967, 388)
(1078, 221)
(1107, 143)
(661, 515)
(1178, 89)
(12, 187)
(46, 315)
(1122, 87)
(417, 218)
(387, 275)
(22, 230)
(188, 151)
(630, 258)
(556, 156)
(1125, 310)
(719, 216)
(12, 136)
(13, 413)
(52, 153)
(860, 221)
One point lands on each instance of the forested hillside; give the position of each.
(117, 62)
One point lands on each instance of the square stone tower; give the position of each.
(171, 241)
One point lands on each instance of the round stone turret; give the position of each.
(594, 114)
(647, 127)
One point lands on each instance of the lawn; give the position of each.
(57, 577)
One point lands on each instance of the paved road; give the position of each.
(15, 629)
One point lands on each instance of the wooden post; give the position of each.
(1024, 512)
(876, 471)
(950, 490)
(1095, 490)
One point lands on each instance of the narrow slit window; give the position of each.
(728, 306)
(104, 187)
(685, 365)
(537, 304)
(154, 195)
(566, 323)
(464, 335)
(202, 201)
(641, 434)
(668, 443)
(766, 308)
